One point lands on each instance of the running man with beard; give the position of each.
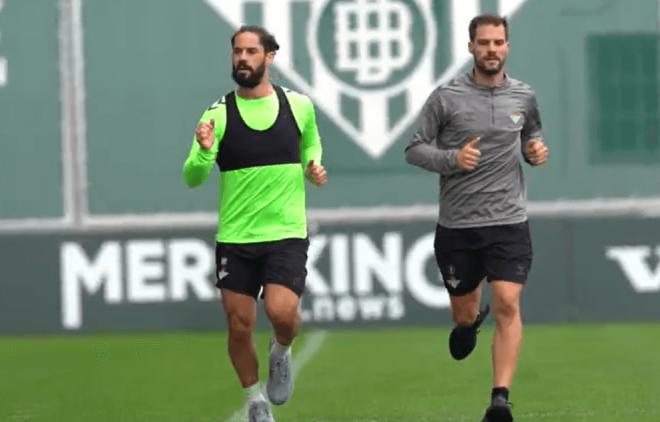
(265, 142)
(472, 132)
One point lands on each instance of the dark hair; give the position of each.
(266, 39)
(488, 20)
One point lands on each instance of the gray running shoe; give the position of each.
(280, 377)
(259, 411)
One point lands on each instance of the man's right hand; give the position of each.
(205, 134)
(468, 156)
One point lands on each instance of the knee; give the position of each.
(282, 315)
(506, 310)
(240, 326)
(464, 316)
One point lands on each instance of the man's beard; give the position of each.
(251, 79)
(481, 65)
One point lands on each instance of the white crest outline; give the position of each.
(375, 136)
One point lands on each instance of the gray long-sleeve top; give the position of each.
(506, 117)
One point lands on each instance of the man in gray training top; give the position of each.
(472, 131)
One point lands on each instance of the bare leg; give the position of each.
(508, 331)
(241, 311)
(282, 310)
(464, 309)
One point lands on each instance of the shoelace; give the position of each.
(262, 411)
(265, 412)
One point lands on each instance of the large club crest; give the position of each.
(368, 64)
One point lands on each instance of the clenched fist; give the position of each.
(316, 174)
(468, 157)
(205, 134)
(537, 152)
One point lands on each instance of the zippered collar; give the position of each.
(468, 78)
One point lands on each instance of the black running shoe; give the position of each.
(498, 411)
(463, 338)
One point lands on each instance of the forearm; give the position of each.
(309, 153)
(430, 158)
(422, 150)
(197, 167)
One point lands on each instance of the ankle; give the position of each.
(280, 350)
(500, 392)
(253, 393)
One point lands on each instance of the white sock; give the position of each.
(280, 350)
(254, 393)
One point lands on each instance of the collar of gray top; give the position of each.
(469, 76)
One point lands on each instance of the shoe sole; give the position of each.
(498, 414)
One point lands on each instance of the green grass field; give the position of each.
(566, 373)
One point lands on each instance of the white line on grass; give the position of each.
(312, 345)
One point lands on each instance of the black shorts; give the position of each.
(246, 267)
(467, 256)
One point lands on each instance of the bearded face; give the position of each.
(246, 76)
(489, 49)
(491, 64)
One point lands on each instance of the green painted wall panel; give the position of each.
(30, 110)
(152, 66)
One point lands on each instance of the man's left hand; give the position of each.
(316, 174)
(537, 152)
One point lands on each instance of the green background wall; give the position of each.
(152, 66)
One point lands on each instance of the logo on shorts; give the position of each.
(452, 280)
(368, 64)
(222, 271)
